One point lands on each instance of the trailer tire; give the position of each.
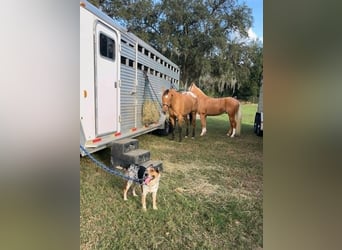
(167, 128)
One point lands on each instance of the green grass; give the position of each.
(210, 194)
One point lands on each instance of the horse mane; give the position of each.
(166, 92)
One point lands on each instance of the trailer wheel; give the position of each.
(167, 128)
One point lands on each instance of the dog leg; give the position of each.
(154, 198)
(128, 185)
(143, 201)
(134, 194)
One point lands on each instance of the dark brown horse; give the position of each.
(216, 106)
(179, 106)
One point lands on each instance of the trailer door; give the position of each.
(106, 79)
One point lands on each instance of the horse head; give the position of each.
(196, 90)
(166, 100)
(192, 87)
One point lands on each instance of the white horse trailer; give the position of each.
(118, 73)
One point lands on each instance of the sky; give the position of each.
(257, 12)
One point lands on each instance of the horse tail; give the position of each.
(238, 119)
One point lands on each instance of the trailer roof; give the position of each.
(103, 16)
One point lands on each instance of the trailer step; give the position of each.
(124, 146)
(137, 156)
(126, 152)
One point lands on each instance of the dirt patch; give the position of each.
(198, 187)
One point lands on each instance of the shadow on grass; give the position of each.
(221, 126)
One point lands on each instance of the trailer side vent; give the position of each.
(131, 63)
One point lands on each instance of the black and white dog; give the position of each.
(149, 181)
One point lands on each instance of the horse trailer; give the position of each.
(259, 115)
(119, 75)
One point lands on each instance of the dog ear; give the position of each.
(158, 169)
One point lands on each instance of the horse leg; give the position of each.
(231, 131)
(173, 121)
(180, 124)
(187, 126)
(193, 122)
(203, 123)
(180, 132)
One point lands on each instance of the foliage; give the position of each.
(207, 39)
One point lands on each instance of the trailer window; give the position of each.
(123, 60)
(131, 63)
(146, 52)
(107, 47)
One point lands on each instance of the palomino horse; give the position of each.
(179, 106)
(216, 106)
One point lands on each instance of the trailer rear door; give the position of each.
(107, 61)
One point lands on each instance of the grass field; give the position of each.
(210, 194)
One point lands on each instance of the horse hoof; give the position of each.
(186, 136)
(193, 138)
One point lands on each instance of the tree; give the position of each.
(196, 35)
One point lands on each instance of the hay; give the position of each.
(150, 112)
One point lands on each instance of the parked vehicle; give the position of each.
(259, 115)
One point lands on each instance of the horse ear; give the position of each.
(163, 89)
